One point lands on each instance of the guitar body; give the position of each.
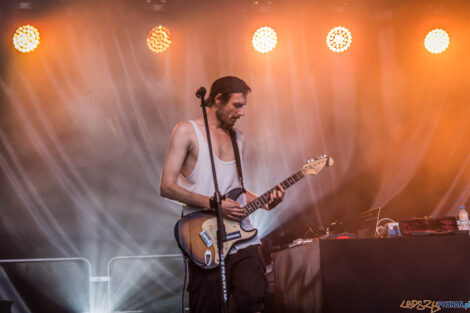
(196, 234)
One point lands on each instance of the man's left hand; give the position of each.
(276, 197)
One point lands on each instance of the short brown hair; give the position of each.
(226, 86)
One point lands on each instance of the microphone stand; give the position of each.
(221, 234)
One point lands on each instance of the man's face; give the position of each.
(229, 113)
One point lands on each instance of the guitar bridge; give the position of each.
(206, 238)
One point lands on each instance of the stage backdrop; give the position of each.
(85, 119)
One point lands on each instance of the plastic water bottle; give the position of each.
(463, 219)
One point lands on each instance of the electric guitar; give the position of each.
(196, 233)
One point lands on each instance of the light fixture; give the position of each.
(158, 39)
(265, 39)
(339, 39)
(26, 38)
(437, 41)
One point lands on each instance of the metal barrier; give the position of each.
(141, 257)
(96, 279)
(48, 260)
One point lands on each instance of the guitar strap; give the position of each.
(233, 136)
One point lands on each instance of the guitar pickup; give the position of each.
(206, 238)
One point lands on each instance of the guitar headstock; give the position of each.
(314, 166)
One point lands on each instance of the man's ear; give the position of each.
(218, 99)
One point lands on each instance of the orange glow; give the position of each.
(158, 39)
(437, 41)
(265, 39)
(26, 38)
(339, 39)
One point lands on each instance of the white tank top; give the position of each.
(200, 181)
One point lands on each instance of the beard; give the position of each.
(225, 121)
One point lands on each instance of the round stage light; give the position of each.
(158, 39)
(436, 41)
(339, 39)
(26, 38)
(265, 39)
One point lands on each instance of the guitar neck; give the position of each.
(265, 197)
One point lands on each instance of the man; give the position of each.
(187, 178)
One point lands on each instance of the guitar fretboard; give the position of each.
(265, 197)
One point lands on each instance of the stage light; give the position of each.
(158, 39)
(264, 39)
(339, 39)
(26, 38)
(436, 41)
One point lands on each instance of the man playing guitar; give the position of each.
(187, 178)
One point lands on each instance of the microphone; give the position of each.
(201, 92)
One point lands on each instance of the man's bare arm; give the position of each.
(178, 148)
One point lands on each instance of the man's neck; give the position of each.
(213, 120)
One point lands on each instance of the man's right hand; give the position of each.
(231, 209)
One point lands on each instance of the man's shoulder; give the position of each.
(184, 133)
(184, 127)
